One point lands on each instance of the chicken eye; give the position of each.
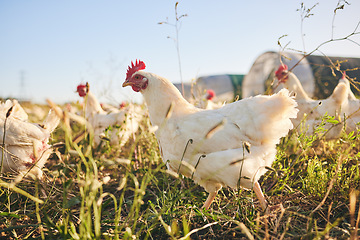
(137, 77)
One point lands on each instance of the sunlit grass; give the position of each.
(127, 193)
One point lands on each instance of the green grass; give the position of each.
(112, 193)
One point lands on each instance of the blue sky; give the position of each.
(58, 44)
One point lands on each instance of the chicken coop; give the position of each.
(314, 72)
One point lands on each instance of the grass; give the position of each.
(112, 193)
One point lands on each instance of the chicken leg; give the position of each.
(257, 190)
(209, 200)
(260, 196)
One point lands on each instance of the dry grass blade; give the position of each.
(77, 118)
(187, 165)
(172, 173)
(79, 137)
(20, 191)
(196, 230)
(197, 163)
(169, 111)
(215, 129)
(237, 161)
(8, 113)
(123, 161)
(57, 110)
(190, 141)
(246, 231)
(247, 146)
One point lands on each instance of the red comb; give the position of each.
(210, 94)
(80, 87)
(281, 69)
(122, 104)
(139, 65)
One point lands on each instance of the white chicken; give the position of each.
(124, 122)
(351, 108)
(24, 148)
(210, 146)
(311, 112)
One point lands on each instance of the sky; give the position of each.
(48, 47)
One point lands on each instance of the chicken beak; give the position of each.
(126, 83)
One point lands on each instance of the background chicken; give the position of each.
(207, 101)
(124, 122)
(344, 80)
(213, 143)
(351, 108)
(36, 112)
(311, 112)
(25, 148)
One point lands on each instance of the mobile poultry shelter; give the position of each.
(226, 86)
(314, 72)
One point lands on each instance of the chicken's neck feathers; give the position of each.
(347, 83)
(160, 95)
(294, 84)
(92, 104)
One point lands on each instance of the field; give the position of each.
(127, 193)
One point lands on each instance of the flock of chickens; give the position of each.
(216, 145)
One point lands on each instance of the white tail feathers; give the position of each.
(52, 120)
(272, 116)
(284, 108)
